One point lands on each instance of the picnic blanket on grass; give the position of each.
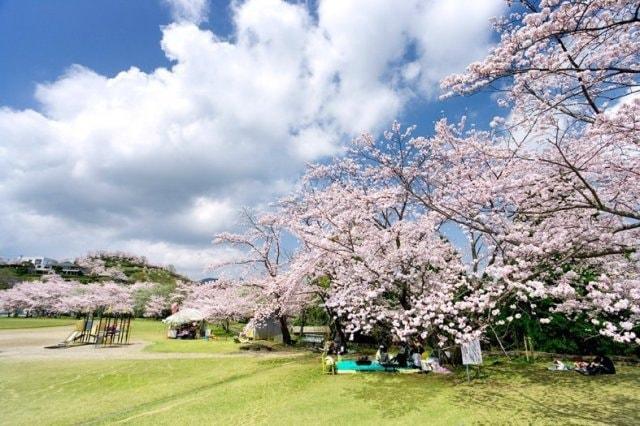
(349, 366)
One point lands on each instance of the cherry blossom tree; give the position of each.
(156, 306)
(557, 191)
(264, 264)
(572, 58)
(535, 218)
(538, 229)
(95, 264)
(181, 292)
(224, 301)
(388, 264)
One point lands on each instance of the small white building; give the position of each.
(40, 263)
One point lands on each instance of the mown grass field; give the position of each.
(233, 388)
(18, 323)
(155, 332)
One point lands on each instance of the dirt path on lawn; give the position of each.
(29, 344)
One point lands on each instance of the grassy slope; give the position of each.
(133, 271)
(248, 390)
(152, 274)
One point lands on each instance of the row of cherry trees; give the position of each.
(544, 209)
(55, 296)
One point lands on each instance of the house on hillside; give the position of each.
(40, 263)
(69, 268)
(208, 281)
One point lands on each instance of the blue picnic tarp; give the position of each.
(350, 365)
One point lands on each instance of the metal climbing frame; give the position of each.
(106, 329)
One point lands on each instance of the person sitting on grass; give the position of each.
(600, 365)
(416, 356)
(403, 356)
(382, 356)
(606, 365)
(433, 364)
(558, 366)
(363, 360)
(340, 346)
(330, 364)
(580, 364)
(330, 348)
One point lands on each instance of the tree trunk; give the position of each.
(340, 333)
(303, 321)
(284, 328)
(335, 326)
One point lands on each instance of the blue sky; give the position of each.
(40, 39)
(223, 107)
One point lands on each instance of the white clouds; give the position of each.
(194, 11)
(440, 47)
(158, 162)
(195, 261)
(209, 215)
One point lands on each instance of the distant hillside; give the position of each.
(97, 267)
(140, 270)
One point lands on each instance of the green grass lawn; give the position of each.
(236, 389)
(156, 332)
(16, 323)
(190, 346)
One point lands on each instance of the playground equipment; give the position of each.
(99, 329)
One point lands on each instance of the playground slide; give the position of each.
(75, 335)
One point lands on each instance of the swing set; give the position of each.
(101, 329)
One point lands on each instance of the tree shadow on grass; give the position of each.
(526, 394)
(394, 395)
(536, 394)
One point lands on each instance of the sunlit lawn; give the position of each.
(237, 389)
(15, 323)
(156, 332)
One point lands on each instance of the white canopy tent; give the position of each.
(184, 316)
